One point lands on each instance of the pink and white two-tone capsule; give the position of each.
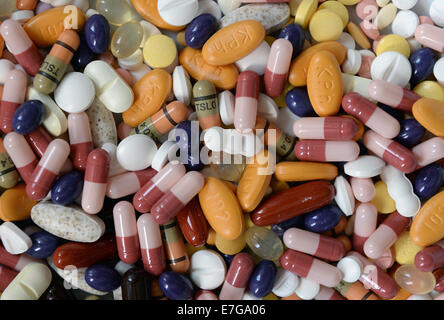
(21, 154)
(363, 189)
(325, 128)
(15, 261)
(245, 108)
(392, 95)
(430, 36)
(238, 275)
(277, 67)
(128, 183)
(326, 151)
(127, 240)
(366, 217)
(14, 92)
(80, 139)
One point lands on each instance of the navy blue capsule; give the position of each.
(294, 33)
(102, 277)
(411, 133)
(176, 286)
(43, 245)
(262, 278)
(395, 113)
(183, 134)
(28, 117)
(83, 55)
(200, 30)
(428, 181)
(280, 228)
(97, 33)
(67, 188)
(228, 258)
(422, 62)
(298, 102)
(322, 219)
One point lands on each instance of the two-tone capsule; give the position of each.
(127, 183)
(127, 240)
(177, 256)
(80, 139)
(14, 92)
(207, 107)
(325, 128)
(245, 105)
(277, 67)
(326, 151)
(238, 275)
(392, 95)
(366, 217)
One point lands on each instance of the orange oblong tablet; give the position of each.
(233, 42)
(324, 84)
(430, 114)
(223, 77)
(221, 208)
(150, 93)
(46, 27)
(299, 67)
(15, 205)
(148, 10)
(305, 171)
(428, 225)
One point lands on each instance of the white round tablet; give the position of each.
(211, 7)
(285, 284)
(347, 40)
(364, 167)
(405, 23)
(267, 108)
(438, 71)
(344, 196)
(392, 67)
(307, 289)
(353, 62)
(166, 151)
(177, 12)
(114, 167)
(405, 4)
(136, 152)
(75, 93)
(226, 107)
(182, 88)
(351, 268)
(437, 12)
(256, 60)
(207, 269)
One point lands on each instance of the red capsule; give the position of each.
(430, 258)
(80, 139)
(325, 128)
(125, 224)
(15, 261)
(326, 151)
(14, 92)
(439, 276)
(193, 224)
(236, 280)
(6, 277)
(21, 154)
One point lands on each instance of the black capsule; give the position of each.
(136, 285)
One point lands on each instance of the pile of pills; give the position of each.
(222, 150)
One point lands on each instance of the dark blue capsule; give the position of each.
(28, 116)
(422, 62)
(298, 102)
(228, 258)
(97, 33)
(395, 113)
(294, 33)
(102, 277)
(43, 245)
(67, 188)
(280, 228)
(262, 278)
(187, 133)
(200, 30)
(322, 219)
(83, 55)
(176, 286)
(428, 181)
(411, 133)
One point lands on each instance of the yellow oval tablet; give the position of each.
(358, 35)
(325, 25)
(382, 200)
(230, 247)
(430, 114)
(393, 42)
(221, 208)
(233, 42)
(324, 84)
(305, 171)
(430, 89)
(305, 11)
(405, 249)
(299, 67)
(337, 8)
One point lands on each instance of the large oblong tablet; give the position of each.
(430, 114)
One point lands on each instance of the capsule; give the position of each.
(430, 258)
(262, 279)
(363, 189)
(155, 188)
(366, 217)
(193, 224)
(429, 36)
(127, 239)
(15, 261)
(264, 243)
(371, 115)
(177, 256)
(14, 91)
(153, 255)
(128, 183)
(308, 267)
(56, 62)
(238, 275)
(21, 154)
(325, 128)
(136, 285)
(247, 94)
(328, 294)
(391, 151)
(207, 107)
(96, 179)
(21, 46)
(278, 64)
(205, 295)
(429, 151)
(26, 4)
(162, 121)
(326, 151)
(314, 244)
(80, 139)
(392, 95)
(6, 277)
(355, 291)
(176, 198)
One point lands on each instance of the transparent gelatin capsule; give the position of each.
(264, 243)
(117, 12)
(228, 167)
(127, 39)
(413, 280)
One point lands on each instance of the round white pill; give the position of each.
(392, 67)
(437, 12)
(347, 40)
(404, 4)
(405, 23)
(136, 152)
(353, 62)
(207, 269)
(177, 12)
(438, 71)
(267, 108)
(75, 92)
(351, 268)
(307, 289)
(285, 284)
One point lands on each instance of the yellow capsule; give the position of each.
(305, 171)
(382, 200)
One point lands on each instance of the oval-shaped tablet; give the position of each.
(15, 205)
(102, 124)
(221, 208)
(430, 114)
(233, 42)
(304, 171)
(148, 10)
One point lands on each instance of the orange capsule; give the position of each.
(177, 256)
(26, 4)
(305, 171)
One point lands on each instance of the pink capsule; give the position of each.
(15, 261)
(21, 154)
(153, 255)
(47, 169)
(277, 67)
(175, 199)
(21, 46)
(429, 151)
(247, 94)
(308, 267)
(386, 260)
(14, 92)
(371, 115)
(391, 151)
(430, 258)
(325, 128)
(236, 280)
(386, 235)
(392, 95)
(96, 179)
(326, 151)
(430, 36)
(314, 244)
(128, 183)
(127, 239)
(363, 189)
(154, 189)
(425, 20)
(80, 139)
(366, 217)
(6, 277)
(328, 294)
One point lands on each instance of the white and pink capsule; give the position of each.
(392, 95)
(366, 217)
(245, 108)
(128, 183)
(21, 154)
(326, 151)
(277, 67)
(14, 91)
(127, 239)
(80, 139)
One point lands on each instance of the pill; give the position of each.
(126, 232)
(305, 171)
(67, 188)
(364, 167)
(328, 128)
(430, 258)
(80, 139)
(28, 116)
(193, 223)
(206, 104)
(136, 152)
(74, 101)
(277, 67)
(207, 269)
(14, 91)
(364, 226)
(326, 151)
(237, 277)
(392, 95)
(177, 256)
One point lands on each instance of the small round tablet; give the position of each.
(136, 152)
(207, 269)
(392, 67)
(165, 152)
(75, 93)
(405, 23)
(307, 289)
(177, 12)
(351, 268)
(267, 107)
(285, 284)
